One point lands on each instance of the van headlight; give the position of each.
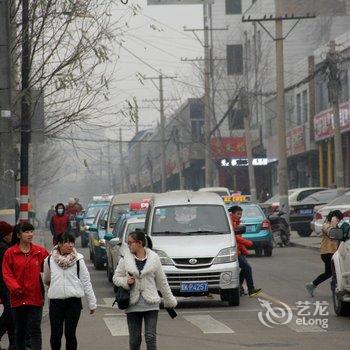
(164, 259)
(226, 255)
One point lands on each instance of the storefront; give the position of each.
(230, 157)
(324, 136)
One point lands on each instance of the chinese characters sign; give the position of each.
(324, 122)
(228, 147)
(295, 141)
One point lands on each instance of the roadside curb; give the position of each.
(300, 245)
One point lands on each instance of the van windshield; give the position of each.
(190, 220)
(117, 211)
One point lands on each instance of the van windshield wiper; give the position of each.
(208, 232)
(168, 233)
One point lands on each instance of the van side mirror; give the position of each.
(337, 234)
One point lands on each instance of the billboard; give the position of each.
(179, 2)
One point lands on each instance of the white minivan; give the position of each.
(192, 234)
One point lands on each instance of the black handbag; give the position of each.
(122, 298)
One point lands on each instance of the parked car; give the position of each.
(97, 246)
(294, 195)
(194, 238)
(98, 203)
(120, 205)
(341, 273)
(116, 242)
(302, 213)
(341, 203)
(258, 228)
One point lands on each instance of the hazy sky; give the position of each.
(157, 37)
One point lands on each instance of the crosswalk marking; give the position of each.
(117, 326)
(208, 324)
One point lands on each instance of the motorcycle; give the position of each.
(280, 229)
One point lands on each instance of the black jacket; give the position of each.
(3, 247)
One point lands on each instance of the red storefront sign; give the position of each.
(324, 122)
(296, 140)
(228, 147)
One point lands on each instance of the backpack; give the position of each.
(78, 266)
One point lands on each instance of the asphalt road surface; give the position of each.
(296, 322)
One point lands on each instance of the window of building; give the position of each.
(234, 59)
(305, 105)
(233, 7)
(235, 120)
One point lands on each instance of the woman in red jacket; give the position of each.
(22, 265)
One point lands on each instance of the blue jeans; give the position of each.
(135, 328)
(246, 272)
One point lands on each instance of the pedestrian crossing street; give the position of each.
(205, 321)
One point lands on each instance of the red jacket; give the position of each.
(242, 244)
(59, 224)
(21, 273)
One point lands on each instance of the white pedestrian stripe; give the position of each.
(208, 324)
(117, 325)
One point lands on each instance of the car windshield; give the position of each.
(117, 211)
(251, 211)
(276, 197)
(132, 227)
(342, 200)
(320, 197)
(190, 220)
(221, 193)
(92, 212)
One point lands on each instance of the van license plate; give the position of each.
(194, 287)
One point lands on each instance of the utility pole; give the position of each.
(280, 98)
(161, 77)
(246, 117)
(162, 132)
(121, 161)
(25, 114)
(138, 150)
(8, 168)
(109, 167)
(176, 137)
(208, 99)
(334, 89)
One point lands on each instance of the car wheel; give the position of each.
(304, 233)
(91, 255)
(84, 241)
(268, 251)
(233, 297)
(98, 264)
(258, 251)
(341, 308)
(109, 273)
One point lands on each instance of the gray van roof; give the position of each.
(126, 198)
(186, 197)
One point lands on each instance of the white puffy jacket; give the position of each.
(65, 283)
(147, 283)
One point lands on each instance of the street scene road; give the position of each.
(208, 323)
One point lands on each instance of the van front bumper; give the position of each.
(218, 277)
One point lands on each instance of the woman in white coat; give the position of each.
(68, 279)
(141, 272)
